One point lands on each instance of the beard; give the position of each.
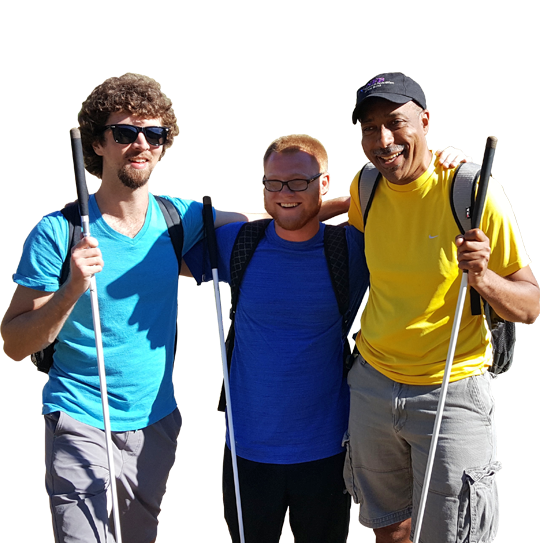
(133, 179)
(293, 223)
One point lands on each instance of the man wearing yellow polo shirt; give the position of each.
(414, 253)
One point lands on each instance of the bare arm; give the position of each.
(515, 298)
(226, 217)
(184, 270)
(34, 318)
(449, 157)
(334, 207)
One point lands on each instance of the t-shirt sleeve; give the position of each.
(191, 213)
(508, 253)
(355, 212)
(198, 261)
(358, 270)
(44, 252)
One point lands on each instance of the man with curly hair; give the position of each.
(126, 124)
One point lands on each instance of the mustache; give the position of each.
(139, 155)
(390, 150)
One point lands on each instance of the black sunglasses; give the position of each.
(127, 133)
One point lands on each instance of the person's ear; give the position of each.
(98, 148)
(424, 119)
(325, 183)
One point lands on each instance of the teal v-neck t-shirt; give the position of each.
(137, 293)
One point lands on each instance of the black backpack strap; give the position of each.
(73, 217)
(176, 232)
(462, 197)
(174, 226)
(336, 252)
(249, 236)
(247, 239)
(43, 360)
(367, 184)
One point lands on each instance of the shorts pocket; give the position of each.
(52, 422)
(481, 395)
(478, 516)
(348, 470)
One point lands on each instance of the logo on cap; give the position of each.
(375, 83)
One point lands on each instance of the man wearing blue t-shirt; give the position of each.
(289, 396)
(126, 124)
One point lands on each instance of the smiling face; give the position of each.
(295, 213)
(131, 163)
(394, 139)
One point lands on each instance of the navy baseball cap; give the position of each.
(395, 87)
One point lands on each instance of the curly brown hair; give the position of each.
(133, 93)
(299, 142)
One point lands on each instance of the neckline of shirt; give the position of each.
(273, 236)
(105, 227)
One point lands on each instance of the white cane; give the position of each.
(82, 195)
(212, 251)
(485, 173)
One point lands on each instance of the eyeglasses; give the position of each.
(296, 185)
(127, 133)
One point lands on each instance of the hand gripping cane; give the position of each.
(82, 195)
(478, 209)
(213, 253)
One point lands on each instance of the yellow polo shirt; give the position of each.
(411, 255)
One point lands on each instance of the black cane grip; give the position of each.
(485, 174)
(78, 165)
(210, 232)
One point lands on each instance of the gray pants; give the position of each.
(77, 478)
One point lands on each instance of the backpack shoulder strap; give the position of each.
(73, 217)
(174, 226)
(336, 252)
(462, 197)
(463, 193)
(249, 236)
(367, 183)
(247, 239)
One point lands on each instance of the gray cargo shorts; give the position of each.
(388, 440)
(77, 478)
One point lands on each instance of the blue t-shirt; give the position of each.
(137, 293)
(290, 401)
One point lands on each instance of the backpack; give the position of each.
(43, 360)
(462, 197)
(337, 258)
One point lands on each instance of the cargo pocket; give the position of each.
(478, 517)
(348, 470)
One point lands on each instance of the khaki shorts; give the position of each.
(388, 440)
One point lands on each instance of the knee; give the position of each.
(395, 533)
